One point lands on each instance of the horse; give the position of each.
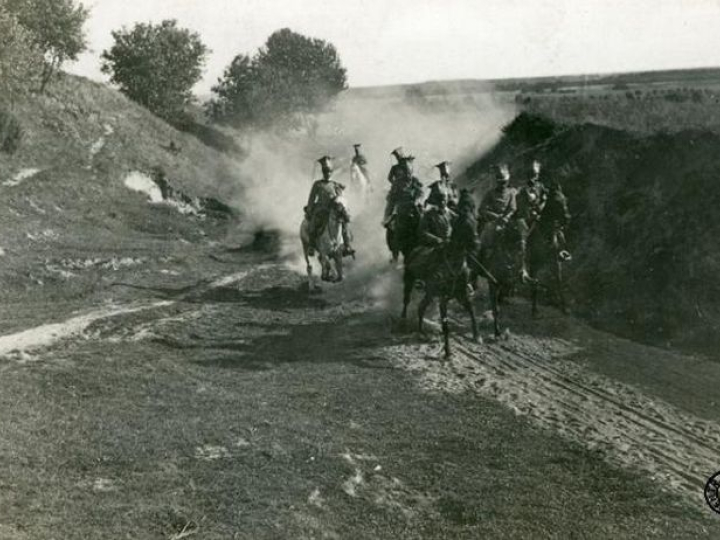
(329, 245)
(359, 182)
(544, 251)
(444, 273)
(401, 233)
(500, 264)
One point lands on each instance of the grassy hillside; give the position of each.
(645, 225)
(66, 209)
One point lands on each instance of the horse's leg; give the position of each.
(534, 287)
(390, 240)
(494, 306)
(559, 285)
(408, 285)
(466, 302)
(339, 266)
(309, 269)
(325, 264)
(422, 307)
(444, 321)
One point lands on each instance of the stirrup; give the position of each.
(565, 256)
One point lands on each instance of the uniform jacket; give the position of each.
(435, 226)
(498, 203)
(530, 200)
(322, 194)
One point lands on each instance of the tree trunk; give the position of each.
(48, 72)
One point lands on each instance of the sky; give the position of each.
(406, 41)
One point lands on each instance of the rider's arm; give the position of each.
(511, 207)
(485, 213)
(426, 237)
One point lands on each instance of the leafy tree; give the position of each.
(290, 77)
(56, 29)
(156, 65)
(236, 92)
(20, 60)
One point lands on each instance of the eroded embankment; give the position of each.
(645, 223)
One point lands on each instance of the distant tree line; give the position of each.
(288, 78)
(157, 65)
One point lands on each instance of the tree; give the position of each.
(236, 91)
(20, 59)
(156, 65)
(290, 77)
(56, 29)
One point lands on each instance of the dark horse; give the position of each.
(401, 233)
(444, 272)
(501, 265)
(545, 254)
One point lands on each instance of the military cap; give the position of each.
(399, 153)
(502, 172)
(326, 163)
(444, 167)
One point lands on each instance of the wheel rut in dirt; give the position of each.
(535, 378)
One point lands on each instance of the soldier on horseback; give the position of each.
(436, 223)
(531, 200)
(405, 188)
(434, 232)
(444, 185)
(360, 160)
(323, 194)
(555, 218)
(496, 209)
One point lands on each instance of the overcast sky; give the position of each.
(401, 41)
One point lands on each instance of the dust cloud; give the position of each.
(279, 168)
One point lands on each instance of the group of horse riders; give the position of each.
(500, 208)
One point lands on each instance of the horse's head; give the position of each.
(464, 232)
(466, 202)
(339, 207)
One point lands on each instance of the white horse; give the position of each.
(359, 183)
(329, 246)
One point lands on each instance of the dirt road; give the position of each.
(242, 407)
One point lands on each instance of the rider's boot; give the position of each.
(311, 247)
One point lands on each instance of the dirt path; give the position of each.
(45, 335)
(533, 377)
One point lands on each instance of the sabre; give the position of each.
(484, 270)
